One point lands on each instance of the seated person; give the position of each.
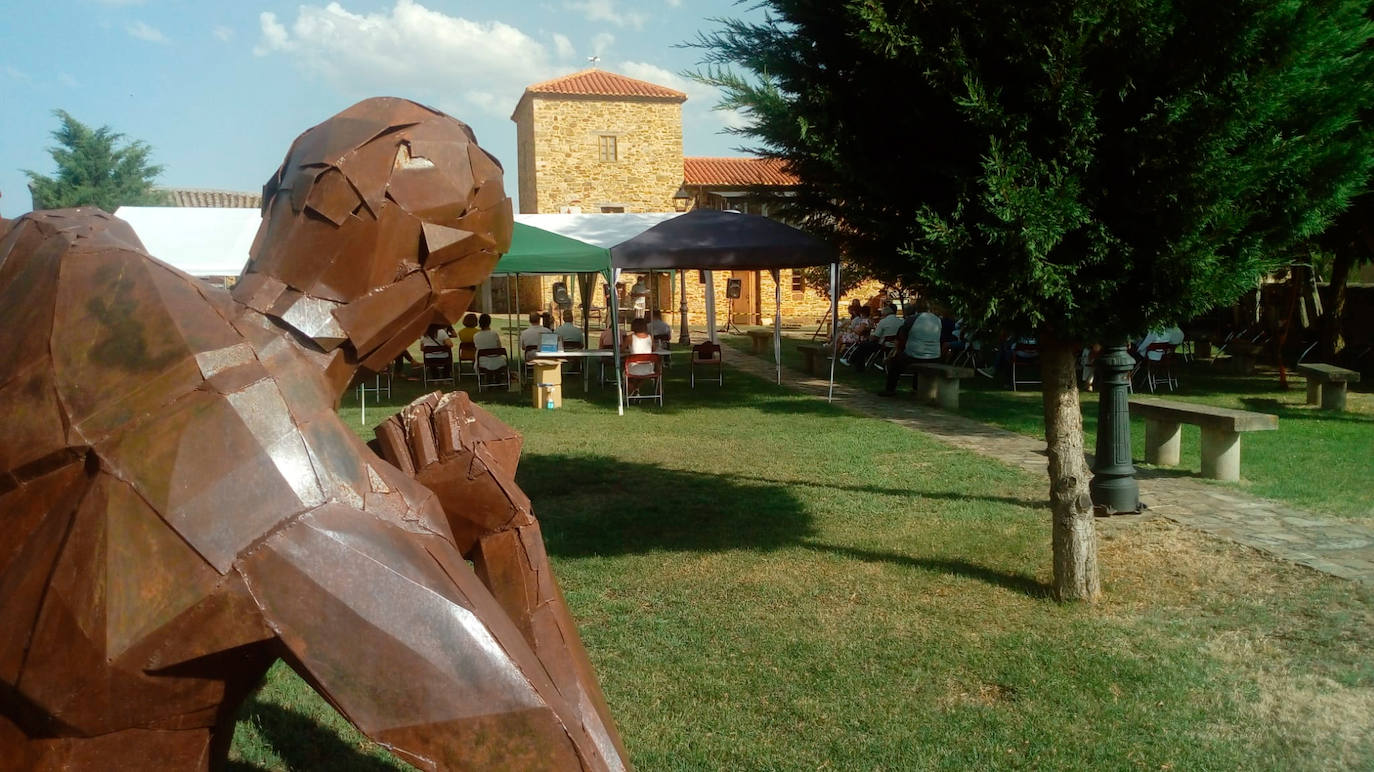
(918, 341)
(486, 338)
(529, 337)
(469, 328)
(639, 341)
(657, 327)
(887, 326)
(434, 343)
(855, 332)
(567, 331)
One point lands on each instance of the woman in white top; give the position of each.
(486, 338)
(640, 342)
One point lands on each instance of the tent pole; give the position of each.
(684, 337)
(615, 342)
(834, 327)
(512, 301)
(711, 306)
(585, 297)
(777, 322)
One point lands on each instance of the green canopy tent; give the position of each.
(536, 251)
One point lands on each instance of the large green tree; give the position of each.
(95, 169)
(1074, 170)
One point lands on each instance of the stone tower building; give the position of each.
(595, 141)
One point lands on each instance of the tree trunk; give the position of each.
(1335, 307)
(1074, 532)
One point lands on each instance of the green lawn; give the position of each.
(764, 582)
(1334, 452)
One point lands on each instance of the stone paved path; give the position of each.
(1338, 547)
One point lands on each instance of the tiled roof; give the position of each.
(602, 83)
(222, 199)
(735, 172)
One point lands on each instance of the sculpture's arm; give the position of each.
(468, 459)
(395, 630)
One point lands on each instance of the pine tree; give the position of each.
(1074, 170)
(93, 171)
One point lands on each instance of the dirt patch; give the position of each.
(1291, 629)
(984, 695)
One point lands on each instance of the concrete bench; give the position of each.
(1221, 430)
(939, 384)
(810, 355)
(1326, 384)
(759, 340)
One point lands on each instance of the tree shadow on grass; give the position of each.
(1019, 583)
(590, 506)
(880, 490)
(603, 506)
(1287, 411)
(302, 743)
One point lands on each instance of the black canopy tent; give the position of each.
(709, 239)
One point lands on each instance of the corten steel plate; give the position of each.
(180, 504)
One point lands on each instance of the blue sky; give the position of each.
(219, 89)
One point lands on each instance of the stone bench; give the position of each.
(1221, 430)
(939, 384)
(1326, 384)
(759, 340)
(810, 355)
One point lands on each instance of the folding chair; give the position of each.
(526, 369)
(1017, 360)
(467, 354)
(438, 364)
(495, 376)
(1153, 366)
(707, 355)
(634, 379)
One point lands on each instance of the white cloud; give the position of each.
(120, 2)
(675, 3)
(146, 32)
(696, 92)
(411, 51)
(701, 98)
(274, 35)
(563, 46)
(608, 10)
(67, 80)
(223, 33)
(600, 42)
(14, 73)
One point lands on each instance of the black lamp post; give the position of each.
(1113, 486)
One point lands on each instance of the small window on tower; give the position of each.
(605, 147)
(798, 282)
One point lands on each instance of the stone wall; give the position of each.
(564, 156)
(527, 200)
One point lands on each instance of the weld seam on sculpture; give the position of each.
(181, 505)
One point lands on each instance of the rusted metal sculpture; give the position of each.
(180, 504)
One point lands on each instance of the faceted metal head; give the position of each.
(380, 221)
